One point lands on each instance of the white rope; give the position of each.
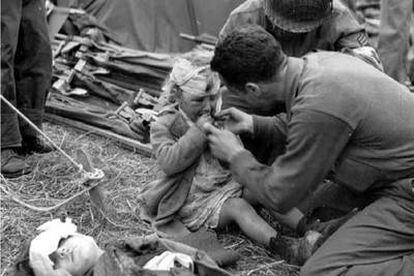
(79, 166)
(15, 198)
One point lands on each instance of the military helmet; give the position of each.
(297, 16)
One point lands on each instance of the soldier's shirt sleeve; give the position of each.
(351, 37)
(345, 29)
(314, 142)
(266, 148)
(353, 40)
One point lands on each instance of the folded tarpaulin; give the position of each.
(106, 90)
(123, 67)
(135, 70)
(94, 115)
(160, 61)
(134, 59)
(124, 80)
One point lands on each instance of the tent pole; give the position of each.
(193, 18)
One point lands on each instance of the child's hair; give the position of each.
(190, 72)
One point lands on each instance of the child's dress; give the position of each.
(212, 186)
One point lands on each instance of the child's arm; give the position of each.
(174, 155)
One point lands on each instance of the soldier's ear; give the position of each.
(252, 88)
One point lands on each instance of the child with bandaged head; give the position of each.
(208, 197)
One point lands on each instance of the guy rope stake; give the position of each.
(79, 166)
(84, 165)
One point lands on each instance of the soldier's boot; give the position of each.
(34, 144)
(12, 164)
(296, 251)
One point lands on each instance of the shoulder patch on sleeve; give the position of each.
(362, 38)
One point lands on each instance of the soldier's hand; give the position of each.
(235, 120)
(223, 144)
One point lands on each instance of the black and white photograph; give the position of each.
(207, 137)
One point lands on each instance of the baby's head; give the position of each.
(193, 86)
(76, 254)
(60, 250)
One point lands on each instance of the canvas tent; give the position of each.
(155, 25)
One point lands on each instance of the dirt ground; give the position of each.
(54, 179)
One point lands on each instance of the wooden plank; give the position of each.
(125, 142)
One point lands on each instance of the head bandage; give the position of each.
(193, 79)
(47, 242)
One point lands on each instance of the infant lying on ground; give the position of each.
(59, 250)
